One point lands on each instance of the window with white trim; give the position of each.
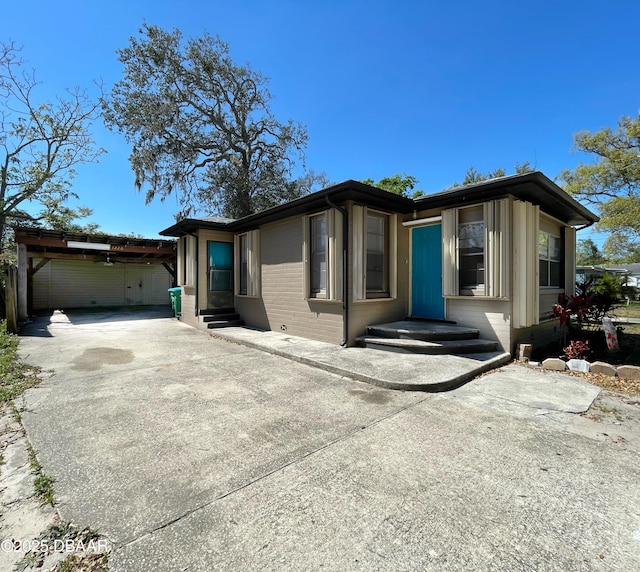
(322, 252)
(248, 263)
(550, 259)
(243, 256)
(476, 250)
(190, 249)
(374, 254)
(471, 251)
(318, 247)
(377, 248)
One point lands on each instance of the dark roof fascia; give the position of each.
(534, 187)
(340, 193)
(190, 225)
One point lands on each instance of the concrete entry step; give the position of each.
(407, 345)
(217, 311)
(422, 330)
(218, 317)
(224, 323)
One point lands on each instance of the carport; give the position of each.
(60, 269)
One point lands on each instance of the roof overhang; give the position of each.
(533, 187)
(336, 194)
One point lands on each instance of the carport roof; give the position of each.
(73, 245)
(534, 187)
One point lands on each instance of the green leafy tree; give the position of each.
(472, 176)
(621, 249)
(40, 145)
(611, 182)
(588, 253)
(399, 184)
(200, 126)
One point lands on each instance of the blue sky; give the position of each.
(426, 88)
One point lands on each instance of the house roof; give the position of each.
(348, 190)
(533, 187)
(631, 268)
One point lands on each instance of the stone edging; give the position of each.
(601, 367)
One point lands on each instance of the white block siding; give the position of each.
(491, 317)
(80, 284)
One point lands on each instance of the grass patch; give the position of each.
(65, 536)
(43, 483)
(83, 563)
(15, 376)
(628, 311)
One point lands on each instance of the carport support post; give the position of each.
(23, 283)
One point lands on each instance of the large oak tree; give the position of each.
(200, 126)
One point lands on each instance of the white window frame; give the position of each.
(319, 291)
(479, 286)
(333, 256)
(191, 265)
(496, 253)
(360, 291)
(548, 260)
(252, 244)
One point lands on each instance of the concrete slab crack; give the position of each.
(266, 475)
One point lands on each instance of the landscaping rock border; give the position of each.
(600, 367)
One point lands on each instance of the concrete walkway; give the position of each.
(388, 369)
(191, 453)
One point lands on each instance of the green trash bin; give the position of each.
(175, 300)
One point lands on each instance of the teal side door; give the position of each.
(220, 281)
(426, 272)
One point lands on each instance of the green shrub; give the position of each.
(15, 376)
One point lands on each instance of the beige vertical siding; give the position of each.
(80, 284)
(41, 285)
(491, 317)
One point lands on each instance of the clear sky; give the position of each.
(426, 88)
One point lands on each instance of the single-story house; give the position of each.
(586, 273)
(61, 269)
(630, 270)
(493, 256)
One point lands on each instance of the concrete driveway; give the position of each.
(192, 453)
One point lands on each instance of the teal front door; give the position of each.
(426, 272)
(220, 283)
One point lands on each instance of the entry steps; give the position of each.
(221, 318)
(426, 337)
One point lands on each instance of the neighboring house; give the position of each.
(493, 255)
(60, 269)
(586, 273)
(632, 272)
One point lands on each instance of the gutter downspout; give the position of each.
(345, 277)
